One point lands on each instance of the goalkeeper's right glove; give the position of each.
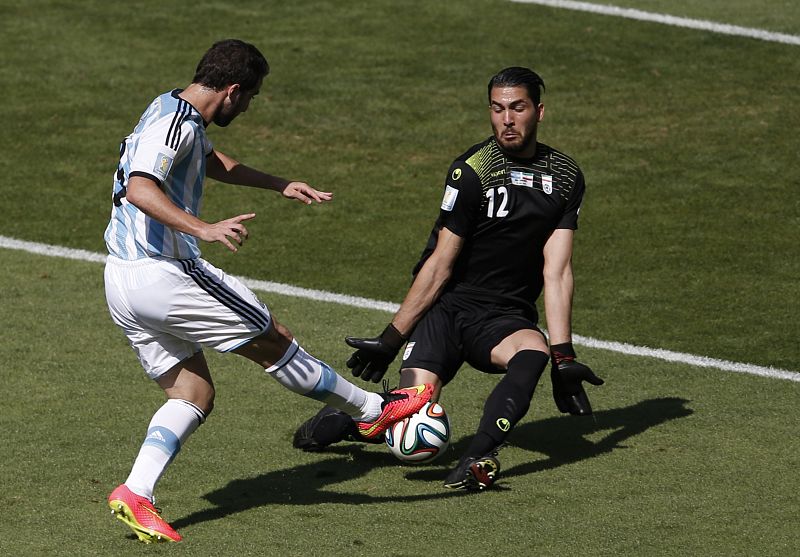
(373, 355)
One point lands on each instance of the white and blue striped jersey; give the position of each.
(169, 145)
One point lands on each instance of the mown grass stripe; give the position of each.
(367, 303)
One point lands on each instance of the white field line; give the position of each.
(366, 303)
(701, 24)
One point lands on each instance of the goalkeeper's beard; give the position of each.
(516, 147)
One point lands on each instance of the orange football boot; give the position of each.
(141, 516)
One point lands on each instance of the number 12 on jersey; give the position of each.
(502, 202)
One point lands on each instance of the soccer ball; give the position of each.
(422, 436)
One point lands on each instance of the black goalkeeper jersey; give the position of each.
(506, 209)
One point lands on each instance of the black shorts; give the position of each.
(460, 328)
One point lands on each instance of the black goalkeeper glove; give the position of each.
(567, 376)
(373, 355)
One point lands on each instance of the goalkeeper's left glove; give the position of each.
(568, 376)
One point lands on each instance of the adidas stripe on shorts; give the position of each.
(171, 308)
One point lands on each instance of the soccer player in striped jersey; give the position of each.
(171, 303)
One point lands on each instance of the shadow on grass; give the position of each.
(563, 439)
(304, 485)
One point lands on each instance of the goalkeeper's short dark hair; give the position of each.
(517, 76)
(231, 61)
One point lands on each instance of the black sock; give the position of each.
(508, 403)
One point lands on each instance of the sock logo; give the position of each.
(163, 439)
(503, 424)
(155, 434)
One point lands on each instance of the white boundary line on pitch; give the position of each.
(367, 303)
(639, 15)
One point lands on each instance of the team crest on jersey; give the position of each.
(163, 163)
(547, 184)
(449, 200)
(519, 178)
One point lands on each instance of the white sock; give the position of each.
(169, 428)
(302, 373)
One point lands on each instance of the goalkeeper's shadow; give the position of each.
(568, 439)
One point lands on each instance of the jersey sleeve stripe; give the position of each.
(174, 134)
(152, 177)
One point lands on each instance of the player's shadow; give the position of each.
(303, 485)
(563, 440)
(567, 439)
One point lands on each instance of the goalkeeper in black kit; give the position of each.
(504, 234)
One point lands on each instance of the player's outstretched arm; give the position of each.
(374, 355)
(148, 197)
(567, 374)
(558, 285)
(223, 168)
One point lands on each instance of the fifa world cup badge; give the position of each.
(449, 200)
(163, 163)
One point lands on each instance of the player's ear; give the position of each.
(234, 91)
(540, 112)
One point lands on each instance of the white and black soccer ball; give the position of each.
(422, 436)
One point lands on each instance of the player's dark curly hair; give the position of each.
(231, 61)
(517, 76)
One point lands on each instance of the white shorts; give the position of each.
(169, 309)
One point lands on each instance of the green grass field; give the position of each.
(688, 242)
